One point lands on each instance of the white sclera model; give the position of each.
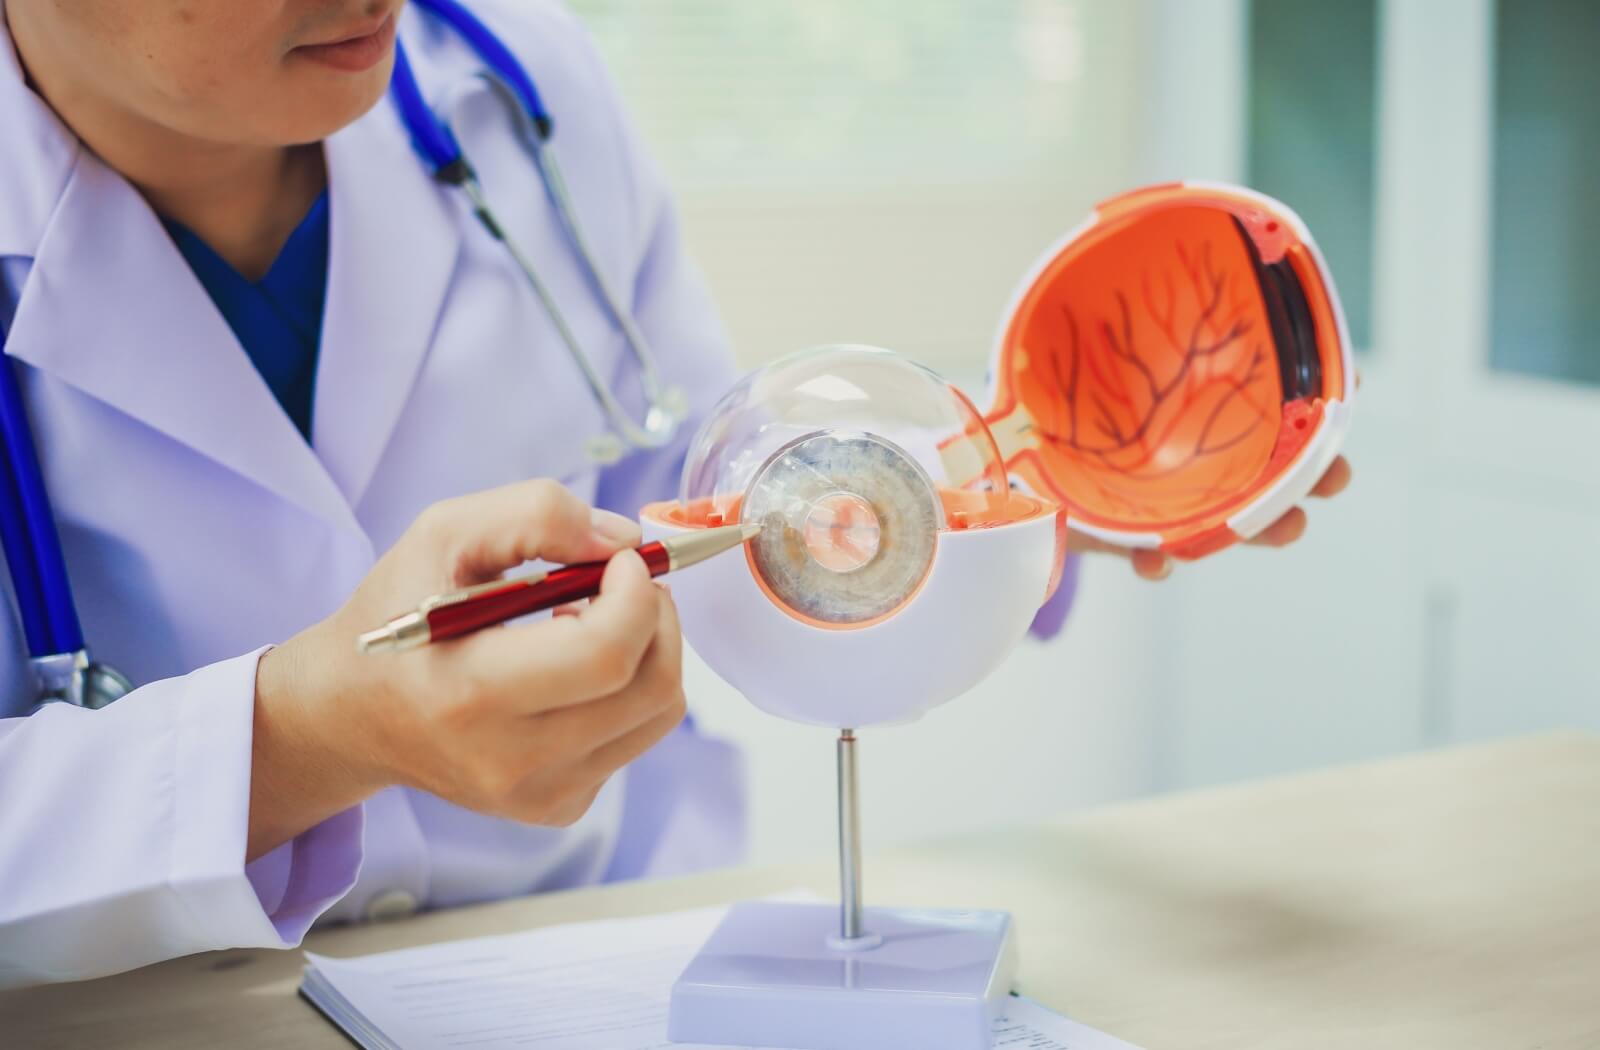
(879, 587)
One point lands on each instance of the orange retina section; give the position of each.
(1143, 364)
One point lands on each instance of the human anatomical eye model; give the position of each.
(886, 519)
(1175, 371)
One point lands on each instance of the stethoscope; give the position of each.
(60, 659)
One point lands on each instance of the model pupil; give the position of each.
(842, 532)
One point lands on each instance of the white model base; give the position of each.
(775, 975)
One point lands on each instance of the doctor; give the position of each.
(265, 355)
(282, 385)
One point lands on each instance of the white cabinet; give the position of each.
(1515, 583)
(1312, 655)
(1510, 401)
(1454, 592)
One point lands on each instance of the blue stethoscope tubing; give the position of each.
(436, 142)
(28, 533)
(32, 544)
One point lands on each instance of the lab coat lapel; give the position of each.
(395, 242)
(111, 308)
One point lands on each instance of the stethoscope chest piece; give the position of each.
(101, 684)
(74, 679)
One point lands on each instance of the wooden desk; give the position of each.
(1449, 900)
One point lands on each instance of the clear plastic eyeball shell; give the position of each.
(854, 459)
(849, 524)
(857, 389)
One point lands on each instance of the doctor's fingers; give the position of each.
(656, 689)
(543, 769)
(1147, 562)
(601, 765)
(1292, 525)
(559, 797)
(565, 660)
(1334, 480)
(537, 767)
(486, 533)
(1288, 528)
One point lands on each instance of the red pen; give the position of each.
(471, 608)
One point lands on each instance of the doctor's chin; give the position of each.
(828, 526)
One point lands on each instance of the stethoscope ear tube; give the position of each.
(525, 94)
(436, 141)
(38, 568)
(432, 139)
(665, 405)
(28, 531)
(74, 679)
(606, 449)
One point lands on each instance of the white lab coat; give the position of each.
(200, 528)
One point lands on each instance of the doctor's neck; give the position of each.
(211, 109)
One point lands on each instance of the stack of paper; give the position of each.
(588, 986)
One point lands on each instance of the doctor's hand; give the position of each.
(526, 721)
(1155, 565)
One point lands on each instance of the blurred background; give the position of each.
(884, 171)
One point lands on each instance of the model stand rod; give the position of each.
(849, 839)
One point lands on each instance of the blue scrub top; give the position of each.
(278, 319)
